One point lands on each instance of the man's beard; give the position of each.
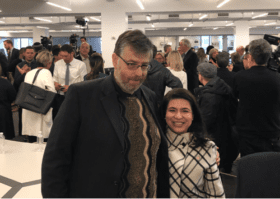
(125, 85)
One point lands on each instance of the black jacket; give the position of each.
(226, 75)
(159, 77)
(238, 67)
(190, 65)
(12, 66)
(83, 157)
(4, 65)
(15, 55)
(218, 108)
(258, 91)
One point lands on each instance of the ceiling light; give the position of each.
(55, 5)
(148, 17)
(215, 28)
(42, 27)
(262, 15)
(229, 24)
(77, 26)
(191, 25)
(153, 25)
(2, 22)
(42, 19)
(95, 19)
(203, 17)
(222, 3)
(140, 4)
(185, 28)
(0, 10)
(150, 29)
(86, 19)
(270, 24)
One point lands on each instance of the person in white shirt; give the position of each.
(33, 122)
(68, 70)
(175, 65)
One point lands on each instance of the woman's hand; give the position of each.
(211, 60)
(24, 69)
(218, 157)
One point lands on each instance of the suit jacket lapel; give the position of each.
(111, 106)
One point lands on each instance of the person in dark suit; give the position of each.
(12, 66)
(4, 65)
(12, 52)
(106, 140)
(258, 113)
(190, 60)
(222, 71)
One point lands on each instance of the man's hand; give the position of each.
(65, 88)
(24, 69)
(57, 86)
(218, 157)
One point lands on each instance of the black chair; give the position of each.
(229, 184)
(259, 176)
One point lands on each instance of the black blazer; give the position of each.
(15, 55)
(79, 58)
(4, 65)
(226, 75)
(190, 65)
(83, 157)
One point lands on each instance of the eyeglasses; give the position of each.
(135, 66)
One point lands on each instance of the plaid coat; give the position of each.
(193, 171)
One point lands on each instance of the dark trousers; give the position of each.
(20, 121)
(32, 139)
(249, 144)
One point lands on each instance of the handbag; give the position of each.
(34, 98)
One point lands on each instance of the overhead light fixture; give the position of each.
(229, 24)
(0, 10)
(148, 17)
(270, 24)
(191, 25)
(42, 19)
(77, 26)
(150, 29)
(185, 28)
(261, 15)
(203, 17)
(2, 22)
(153, 25)
(140, 4)
(55, 5)
(42, 27)
(215, 28)
(95, 19)
(222, 3)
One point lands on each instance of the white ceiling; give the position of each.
(16, 13)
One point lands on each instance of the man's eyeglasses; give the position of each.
(135, 66)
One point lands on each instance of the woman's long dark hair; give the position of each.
(197, 127)
(97, 66)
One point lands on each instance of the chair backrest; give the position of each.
(258, 175)
(229, 184)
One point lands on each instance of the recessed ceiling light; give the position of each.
(42, 19)
(140, 4)
(270, 24)
(261, 15)
(185, 28)
(222, 3)
(148, 17)
(95, 19)
(215, 28)
(2, 22)
(191, 25)
(229, 24)
(55, 5)
(153, 25)
(42, 27)
(203, 17)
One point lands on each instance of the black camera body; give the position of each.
(274, 61)
(46, 42)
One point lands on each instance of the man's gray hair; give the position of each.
(186, 42)
(223, 59)
(260, 50)
(137, 40)
(86, 44)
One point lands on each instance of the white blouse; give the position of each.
(193, 171)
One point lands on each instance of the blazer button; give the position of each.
(116, 183)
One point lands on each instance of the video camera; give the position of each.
(274, 61)
(47, 42)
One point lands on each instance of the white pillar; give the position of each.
(114, 23)
(38, 32)
(225, 42)
(241, 33)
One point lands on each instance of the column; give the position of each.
(241, 33)
(114, 22)
(38, 32)
(225, 43)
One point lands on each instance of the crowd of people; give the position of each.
(163, 124)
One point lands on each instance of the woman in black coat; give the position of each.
(7, 96)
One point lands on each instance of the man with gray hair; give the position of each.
(218, 108)
(190, 60)
(106, 141)
(258, 114)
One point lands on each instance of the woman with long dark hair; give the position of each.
(97, 68)
(192, 158)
